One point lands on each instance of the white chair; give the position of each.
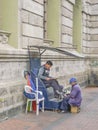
(29, 90)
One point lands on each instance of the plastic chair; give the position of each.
(38, 97)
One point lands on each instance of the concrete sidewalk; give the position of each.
(87, 119)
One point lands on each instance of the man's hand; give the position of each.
(51, 78)
(54, 78)
(48, 79)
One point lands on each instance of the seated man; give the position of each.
(43, 74)
(74, 98)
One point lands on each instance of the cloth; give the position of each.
(32, 96)
(54, 84)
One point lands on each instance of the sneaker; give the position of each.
(58, 92)
(63, 111)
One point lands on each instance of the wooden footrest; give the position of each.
(75, 109)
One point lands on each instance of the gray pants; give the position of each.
(54, 84)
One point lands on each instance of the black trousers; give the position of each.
(54, 84)
(64, 104)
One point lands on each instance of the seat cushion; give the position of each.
(27, 95)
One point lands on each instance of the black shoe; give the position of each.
(58, 111)
(56, 96)
(58, 92)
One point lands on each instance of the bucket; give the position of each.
(34, 106)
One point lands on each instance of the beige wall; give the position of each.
(9, 20)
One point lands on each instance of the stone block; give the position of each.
(93, 43)
(32, 31)
(14, 111)
(3, 91)
(3, 115)
(40, 1)
(93, 1)
(72, 1)
(94, 24)
(19, 97)
(25, 16)
(67, 5)
(13, 89)
(35, 20)
(95, 7)
(66, 30)
(35, 41)
(25, 42)
(20, 87)
(94, 18)
(9, 101)
(66, 21)
(33, 7)
(94, 38)
(67, 39)
(1, 104)
(67, 13)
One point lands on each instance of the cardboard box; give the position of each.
(75, 109)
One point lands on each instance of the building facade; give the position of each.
(68, 25)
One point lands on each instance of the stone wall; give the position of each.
(12, 65)
(93, 72)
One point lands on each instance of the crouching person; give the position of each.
(74, 98)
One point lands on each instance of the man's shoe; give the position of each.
(58, 111)
(63, 111)
(59, 93)
(56, 96)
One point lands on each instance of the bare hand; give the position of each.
(48, 78)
